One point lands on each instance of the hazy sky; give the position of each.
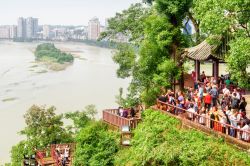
(67, 12)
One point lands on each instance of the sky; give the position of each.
(61, 12)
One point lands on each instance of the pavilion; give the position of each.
(206, 52)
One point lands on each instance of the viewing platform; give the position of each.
(233, 135)
(53, 155)
(112, 117)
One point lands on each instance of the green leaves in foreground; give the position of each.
(159, 140)
(95, 146)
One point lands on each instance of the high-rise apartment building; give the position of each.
(94, 29)
(13, 31)
(21, 27)
(31, 27)
(46, 32)
(27, 28)
(4, 32)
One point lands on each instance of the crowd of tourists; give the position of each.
(63, 154)
(211, 102)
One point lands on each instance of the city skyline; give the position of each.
(61, 12)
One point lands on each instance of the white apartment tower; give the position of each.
(13, 32)
(46, 32)
(31, 27)
(27, 28)
(21, 27)
(94, 29)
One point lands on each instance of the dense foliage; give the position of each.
(48, 51)
(229, 18)
(160, 140)
(95, 145)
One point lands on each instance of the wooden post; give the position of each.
(216, 69)
(197, 70)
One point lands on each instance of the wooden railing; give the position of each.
(40, 155)
(217, 126)
(111, 116)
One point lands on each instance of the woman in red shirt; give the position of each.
(207, 101)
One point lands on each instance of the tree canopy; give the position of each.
(232, 18)
(43, 127)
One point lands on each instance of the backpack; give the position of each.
(235, 103)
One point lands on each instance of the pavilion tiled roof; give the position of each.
(203, 51)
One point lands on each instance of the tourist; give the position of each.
(208, 101)
(214, 93)
(223, 121)
(226, 100)
(191, 112)
(200, 93)
(66, 153)
(208, 87)
(181, 98)
(246, 132)
(228, 82)
(233, 122)
(203, 76)
(179, 108)
(121, 110)
(132, 112)
(171, 99)
(125, 113)
(243, 104)
(226, 91)
(236, 91)
(235, 101)
(202, 119)
(163, 98)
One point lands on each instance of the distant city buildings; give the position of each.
(27, 28)
(4, 32)
(13, 31)
(94, 29)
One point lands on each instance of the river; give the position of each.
(91, 79)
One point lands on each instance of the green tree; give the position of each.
(95, 146)
(43, 127)
(229, 18)
(155, 31)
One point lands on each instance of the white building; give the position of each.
(46, 32)
(13, 31)
(4, 32)
(94, 29)
(21, 27)
(31, 27)
(27, 28)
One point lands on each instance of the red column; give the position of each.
(216, 69)
(197, 70)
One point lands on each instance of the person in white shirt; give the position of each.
(191, 112)
(226, 91)
(202, 119)
(246, 135)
